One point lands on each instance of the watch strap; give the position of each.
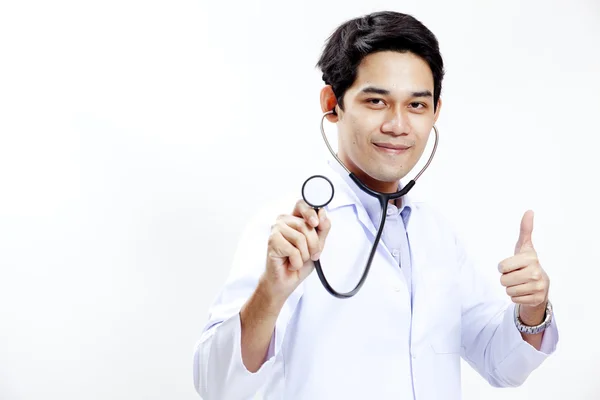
(532, 330)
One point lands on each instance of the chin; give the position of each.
(388, 175)
(383, 170)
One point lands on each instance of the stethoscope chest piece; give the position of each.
(317, 191)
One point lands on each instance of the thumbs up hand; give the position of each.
(523, 277)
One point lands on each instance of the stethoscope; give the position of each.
(318, 191)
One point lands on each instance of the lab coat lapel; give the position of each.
(419, 260)
(429, 279)
(345, 196)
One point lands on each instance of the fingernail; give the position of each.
(323, 216)
(314, 221)
(316, 256)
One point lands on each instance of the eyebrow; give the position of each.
(385, 92)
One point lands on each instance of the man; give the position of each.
(275, 331)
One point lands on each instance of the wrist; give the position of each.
(270, 301)
(532, 315)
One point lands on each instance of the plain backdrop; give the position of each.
(138, 137)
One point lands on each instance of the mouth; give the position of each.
(391, 148)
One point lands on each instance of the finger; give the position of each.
(306, 269)
(524, 242)
(312, 237)
(323, 229)
(529, 274)
(305, 211)
(297, 239)
(518, 261)
(322, 215)
(525, 289)
(281, 248)
(529, 300)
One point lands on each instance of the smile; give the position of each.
(389, 148)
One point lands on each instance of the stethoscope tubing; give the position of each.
(383, 198)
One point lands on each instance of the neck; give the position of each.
(370, 182)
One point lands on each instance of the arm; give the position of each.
(258, 317)
(491, 343)
(237, 329)
(532, 317)
(526, 281)
(239, 348)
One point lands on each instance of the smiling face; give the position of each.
(387, 118)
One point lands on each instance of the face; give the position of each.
(387, 118)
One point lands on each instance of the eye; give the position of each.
(376, 102)
(417, 105)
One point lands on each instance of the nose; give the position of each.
(396, 123)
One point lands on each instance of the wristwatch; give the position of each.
(532, 330)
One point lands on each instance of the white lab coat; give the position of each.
(367, 346)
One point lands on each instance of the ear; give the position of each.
(437, 110)
(329, 103)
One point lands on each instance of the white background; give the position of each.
(127, 173)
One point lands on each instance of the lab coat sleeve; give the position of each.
(218, 370)
(491, 343)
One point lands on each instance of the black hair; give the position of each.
(379, 31)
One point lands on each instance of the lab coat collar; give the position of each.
(348, 193)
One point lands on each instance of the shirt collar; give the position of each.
(369, 203)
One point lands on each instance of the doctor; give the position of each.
(275, 332)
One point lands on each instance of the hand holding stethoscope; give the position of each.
(296, 240)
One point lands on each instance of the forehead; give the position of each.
(394, 71)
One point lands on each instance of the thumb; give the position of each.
(524, 242)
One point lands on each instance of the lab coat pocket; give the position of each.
(445, 342)
(445, 368)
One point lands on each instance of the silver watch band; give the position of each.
(532, 330)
